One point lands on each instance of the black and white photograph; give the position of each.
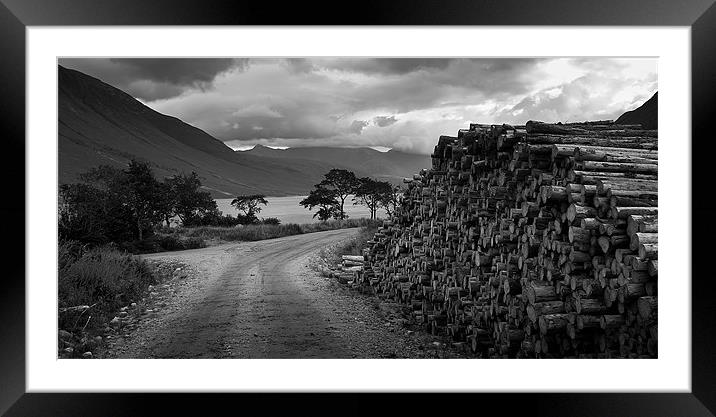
(357, 207)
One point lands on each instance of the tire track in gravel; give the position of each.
(262, 300)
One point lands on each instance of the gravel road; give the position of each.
(263, 300)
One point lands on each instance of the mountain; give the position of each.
(100, 124)
(391, 165)
(647, 114)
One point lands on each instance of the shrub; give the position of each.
(271, 220)
(103, 277)
(171, 242)
(216, 218)
(255, 232)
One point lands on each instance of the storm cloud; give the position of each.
(156, 78)
(403, 103)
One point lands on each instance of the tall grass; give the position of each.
(102, 277)
(355, 245)
(265, 231)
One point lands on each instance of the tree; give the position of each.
(88, 214)
(142, 189)
(392, 200)
(372, 194)
(325, 199)
(111, 202)
(344, 183)
(166, 202)
(249, 204)
(187, 200)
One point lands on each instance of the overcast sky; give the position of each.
(398, 103)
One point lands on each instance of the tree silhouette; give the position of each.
(324, 198)
(142, 188)
(372, 194)
(343, 183)
(249, 204)
(186, 198)
(392, 200)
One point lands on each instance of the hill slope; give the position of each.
(392, 165)
(647, 114)
(99, 124)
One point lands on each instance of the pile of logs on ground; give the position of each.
(350, 265)
(529, 241)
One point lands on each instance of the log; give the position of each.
(653, 267)
(640, 223)
(550, 323)
(647, 307)
(649, 251)
(540, 292)
(624, 212)
(599, 166)
(622, 186)
(607, 154)
(578, 234)
(636, 200)
(590, 306)
(535, 310)
(640, 238)
(579, 212)
(592, 177)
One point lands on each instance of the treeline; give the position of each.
(330, 195)
(128, 205)
(132, 209)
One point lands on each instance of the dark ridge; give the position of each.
(647, 115)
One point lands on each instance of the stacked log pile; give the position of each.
(529, 241)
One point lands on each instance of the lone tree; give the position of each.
(325, 199)
(372, 194)
(344, 183)
(249, 204)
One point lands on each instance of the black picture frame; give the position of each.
(15, 15)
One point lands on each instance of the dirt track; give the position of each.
(263, 300)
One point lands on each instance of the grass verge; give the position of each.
(93, 284)
(193, 237)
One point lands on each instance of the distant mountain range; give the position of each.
(391, 165)
(647, 114)
(99, 124)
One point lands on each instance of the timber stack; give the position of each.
(529, 241)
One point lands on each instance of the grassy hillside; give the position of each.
(99, 124)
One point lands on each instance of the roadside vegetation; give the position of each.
(262, 231)
(95, 282)
(353, 246)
